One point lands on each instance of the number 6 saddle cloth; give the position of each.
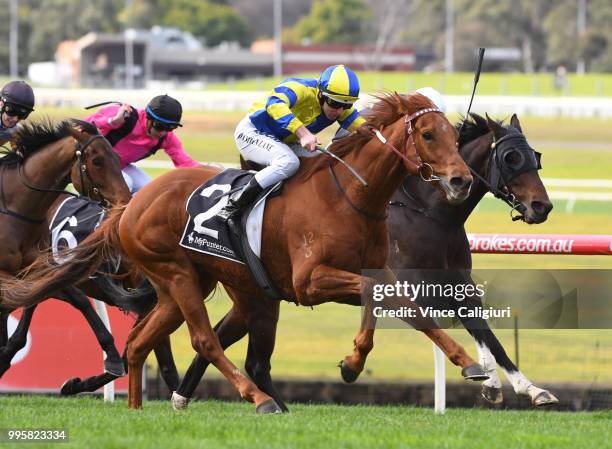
(74, 220)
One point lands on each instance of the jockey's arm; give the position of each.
(280, 102)
(175, 151)
(350, 119)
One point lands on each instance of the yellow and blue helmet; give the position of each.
(339, 83)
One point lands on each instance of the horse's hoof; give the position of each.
(69, 387)
(474, 372)
(348, 375)
(114, 368)
(492, 395)
(545, 398)
(179, 402)
(270, 406)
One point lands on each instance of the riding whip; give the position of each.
(481, 52)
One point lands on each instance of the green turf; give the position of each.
(93, 424)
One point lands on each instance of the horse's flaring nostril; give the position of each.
(541, 207)
(460, 182)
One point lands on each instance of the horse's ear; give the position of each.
(78, 134)
(498, 130)
(514, 121)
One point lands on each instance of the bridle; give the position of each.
(80, 151)
(424, 169)
(501, 172)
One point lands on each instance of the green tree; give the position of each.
(214, 21)
(57, 20)
(335, 21)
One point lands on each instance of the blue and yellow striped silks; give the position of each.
(294, 103)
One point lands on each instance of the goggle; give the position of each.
(336, 104)
(14, 110)
(160, 126)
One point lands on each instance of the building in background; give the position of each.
(175, 57)
(160, 54)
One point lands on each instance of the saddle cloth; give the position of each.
(207, 233)
(73, 221)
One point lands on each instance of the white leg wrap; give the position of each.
(487, 361)
(179, 402)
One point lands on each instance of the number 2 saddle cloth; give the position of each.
(207, 233)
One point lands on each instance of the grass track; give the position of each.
(93, 424)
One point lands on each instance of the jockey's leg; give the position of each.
(135, 178)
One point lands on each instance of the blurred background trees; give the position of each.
(545, 30)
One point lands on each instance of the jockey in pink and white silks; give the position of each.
(136, 134)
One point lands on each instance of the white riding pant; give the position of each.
(281, 159)
(135, 178)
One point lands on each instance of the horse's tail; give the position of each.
(140, 299)
(43, 277)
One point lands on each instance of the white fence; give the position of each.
(242, 100)
(571, 196)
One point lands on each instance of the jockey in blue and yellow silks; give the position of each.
(282, 125)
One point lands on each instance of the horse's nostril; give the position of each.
(541, 207)
(460, 182)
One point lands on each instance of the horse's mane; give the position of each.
(386, 111)
(476, 126)
(31, 136)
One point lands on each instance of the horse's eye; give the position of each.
(427, 135)
(97, 162)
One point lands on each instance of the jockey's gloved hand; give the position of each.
(122, 114)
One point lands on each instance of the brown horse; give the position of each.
(344, 221)
(45, 159)
(104, 286)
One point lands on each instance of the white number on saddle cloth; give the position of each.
(210, 213)
(65, 235)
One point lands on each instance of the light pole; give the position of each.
(450, 31)
(278, 41)
(580, 29)
(129, 35)
(13, 40)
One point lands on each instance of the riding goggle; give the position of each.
(14, 110)
(160, 126)
(336, 104)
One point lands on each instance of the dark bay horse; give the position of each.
(45, 158)
(426, 232)
(102, 286)
(346, 225)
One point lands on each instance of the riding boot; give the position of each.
(239, 200)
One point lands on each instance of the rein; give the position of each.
(424, 169)
(375, 217)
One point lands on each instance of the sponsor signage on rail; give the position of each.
(61, 346)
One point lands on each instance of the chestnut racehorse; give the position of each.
(344, 219)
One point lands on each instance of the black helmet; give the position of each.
(18, 92)
(165, 109)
